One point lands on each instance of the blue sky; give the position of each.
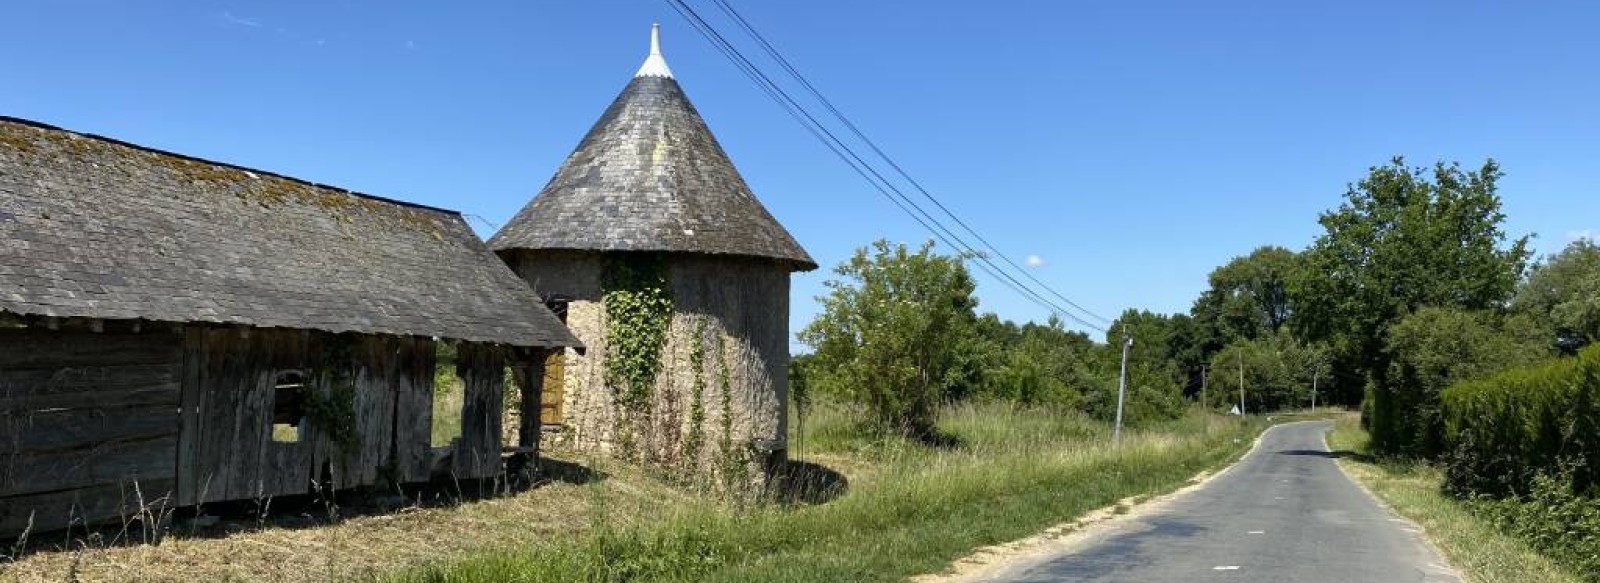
(1132, 146)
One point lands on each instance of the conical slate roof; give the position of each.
(649, 176)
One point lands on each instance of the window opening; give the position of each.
(449, 395)
(511, 411)
(288, 407)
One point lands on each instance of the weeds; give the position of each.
(1553, 520)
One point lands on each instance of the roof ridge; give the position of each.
(154, 150)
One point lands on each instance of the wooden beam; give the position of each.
(528, 369)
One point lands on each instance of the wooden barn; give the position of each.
(662, 261)
(176, 331)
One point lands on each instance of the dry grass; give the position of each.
(355, 548)
(1482, 553)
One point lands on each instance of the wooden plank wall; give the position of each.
(88, 424)
(186, 413)
(377, 372)
(231, 455)
(413, 411)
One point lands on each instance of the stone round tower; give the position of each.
(674, 276)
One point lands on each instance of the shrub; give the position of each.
(1554, 521)
(1432, 349)
(897, 335)
(1509, 428)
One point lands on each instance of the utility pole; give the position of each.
(1314, 373)
(1122, 389)
(1241, 385)
(1203, 404)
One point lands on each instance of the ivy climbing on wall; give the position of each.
(697, 400)
(734, 461)
(638, 307)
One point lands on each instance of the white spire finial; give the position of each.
(654, 65)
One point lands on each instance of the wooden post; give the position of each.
(529, 371)
(190, 486)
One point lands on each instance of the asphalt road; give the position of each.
(1283, 513)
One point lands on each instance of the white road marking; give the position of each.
(1257, 532)
(1225, 568)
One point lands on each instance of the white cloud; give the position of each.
(231, 19)
(1034, 261)
(1583, 234)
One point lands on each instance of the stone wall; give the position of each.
(735, 309)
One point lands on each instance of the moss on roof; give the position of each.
(94, 227)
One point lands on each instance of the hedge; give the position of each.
(1509, 428)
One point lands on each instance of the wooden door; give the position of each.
(550, 395)
(552, 405)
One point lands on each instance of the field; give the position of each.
(894, 508)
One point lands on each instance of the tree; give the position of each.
(1404, 238)
(1434, 348)
(1154, 391)
(1278, 371)
(1248, 297)
(897, 334)
(1045, 365)
(1564, 292)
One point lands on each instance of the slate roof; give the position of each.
(96, 228)
(649, 176)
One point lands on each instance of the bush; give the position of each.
(1552, 520)
(1539, 420)
(1153, 396)
(897, 335)
(1432, 349)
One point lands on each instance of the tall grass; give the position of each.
(1003, 474)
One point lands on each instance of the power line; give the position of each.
(772, 51)
(861, 166)
(867, 172)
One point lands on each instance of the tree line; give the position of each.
(1412, 285)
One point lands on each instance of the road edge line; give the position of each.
(1443, 561)
(984, 562)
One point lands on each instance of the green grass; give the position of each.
(448, 399)
(1005, 474)
(1481, 552)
